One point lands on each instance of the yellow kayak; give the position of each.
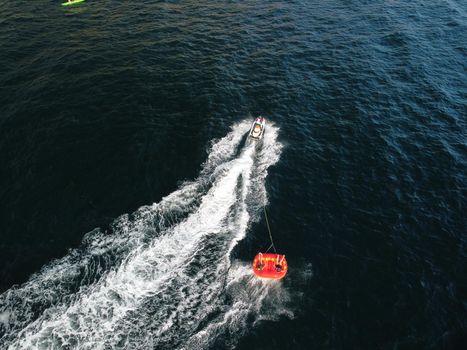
(72, 2)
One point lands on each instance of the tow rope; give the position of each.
(269, 230)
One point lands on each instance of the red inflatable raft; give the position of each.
(272, 266)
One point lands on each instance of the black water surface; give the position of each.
(109, 105)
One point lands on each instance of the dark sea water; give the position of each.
(131, 200)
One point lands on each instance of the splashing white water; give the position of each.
(164, 279)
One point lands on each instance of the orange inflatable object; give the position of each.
(272, 266)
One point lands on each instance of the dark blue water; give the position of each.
(131, 201)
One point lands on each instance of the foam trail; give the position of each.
(166, 286)
(249, 297)
(100, 251)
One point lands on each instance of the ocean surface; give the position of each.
(131, 200)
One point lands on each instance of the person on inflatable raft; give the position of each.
(272, 266)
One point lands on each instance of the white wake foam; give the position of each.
(164, 277)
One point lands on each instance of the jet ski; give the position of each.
(257, 129)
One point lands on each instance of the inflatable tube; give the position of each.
(271, 266)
